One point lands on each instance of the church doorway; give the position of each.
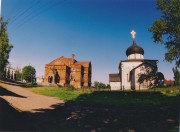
(50, 79)
(56, 77)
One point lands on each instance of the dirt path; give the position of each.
(25, 100)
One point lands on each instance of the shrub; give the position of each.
(70, 87)
(99, 85)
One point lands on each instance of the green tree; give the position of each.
(18, 75)
(29, 73)
(99, 85)
(150, 74)
(166, 30)
(5, 47)
(108, 86)
(176, 76)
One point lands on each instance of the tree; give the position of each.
(108, 86)
(176, 76)
(29, 73)
(5, 47)
(99, 85)
(166, 30)
(18, 75)
(159, 79)
(160, 76)
(149, 74)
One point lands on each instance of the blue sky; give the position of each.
(94, 30)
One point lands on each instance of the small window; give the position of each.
(127, 77)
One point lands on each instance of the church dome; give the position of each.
(134, 49)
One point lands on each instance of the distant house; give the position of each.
(168, 83)
(39, 79)
(10, 72)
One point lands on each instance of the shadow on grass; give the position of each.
(85, 115)
(129, 98)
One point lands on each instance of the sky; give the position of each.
(93, 30)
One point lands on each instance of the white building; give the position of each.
(10, 73)
(132, 69)
(40, 79)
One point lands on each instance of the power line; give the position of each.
(36, 13)
(30, 14)
(25, 11)
(14, 12)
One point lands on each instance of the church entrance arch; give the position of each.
(50, 79)
(56, 77)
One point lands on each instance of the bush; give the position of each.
(99, 85)
(29, 85)
(70, 87)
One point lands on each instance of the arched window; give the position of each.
(49, 79)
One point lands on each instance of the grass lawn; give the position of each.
(155, 110)
(61, 93)
(154, 97)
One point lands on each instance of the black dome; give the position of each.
(134, 48)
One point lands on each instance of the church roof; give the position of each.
(115, 77)
(68, 62)
(134, 49)
(61, 61)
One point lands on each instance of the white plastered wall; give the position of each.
(115, 85)
(126, 67)
(135, 56)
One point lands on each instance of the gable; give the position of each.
(58, 61)
(145, 65)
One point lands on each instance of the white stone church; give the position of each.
(131, 69)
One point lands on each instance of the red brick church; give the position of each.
(64, 71)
